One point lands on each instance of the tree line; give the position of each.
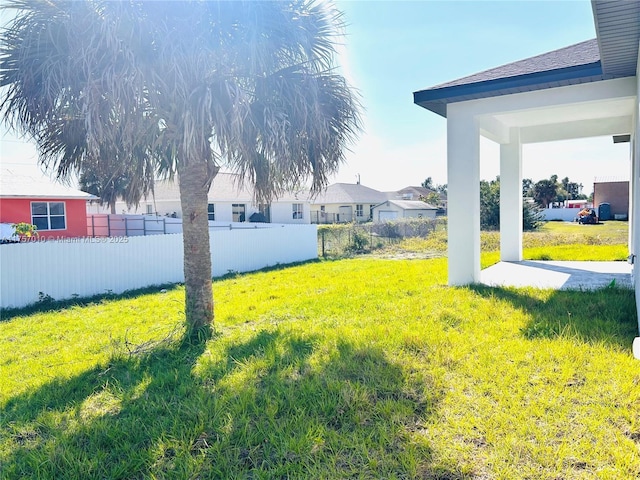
(547, 191)
(543, 193)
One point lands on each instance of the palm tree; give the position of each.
(111, 178)
(182, 88)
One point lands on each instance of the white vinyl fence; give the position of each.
(564, 214)
(91, 266)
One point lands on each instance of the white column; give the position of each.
(463, 196)
(634, 219)
(511, 198)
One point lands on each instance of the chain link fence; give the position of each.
(358, 238)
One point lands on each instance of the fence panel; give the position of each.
(564, 214)
(339, 240)
(92, 266)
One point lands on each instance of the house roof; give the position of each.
(409, 204)
(613, 54)
(349, 193)
(618, 30)
(20, 182)
(418, 191)
(226, 187)
(579, 63)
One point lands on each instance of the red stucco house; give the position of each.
(57, 211)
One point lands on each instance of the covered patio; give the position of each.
(558, 275)
(584, 90)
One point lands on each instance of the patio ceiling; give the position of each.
(577, 111)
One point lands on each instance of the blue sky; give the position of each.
(393, 48)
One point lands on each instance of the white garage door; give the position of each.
(384, 215)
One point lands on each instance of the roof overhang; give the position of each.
(576, 111)
(617, 25)
(436, 99)
(86, 196)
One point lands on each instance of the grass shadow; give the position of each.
(607, 315)
(272, 404)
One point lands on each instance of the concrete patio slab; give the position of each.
(558, 275)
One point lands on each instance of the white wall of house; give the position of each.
(344, 212)
(282, 212)
(93, 266)
(635, 201)
(146, 207)
(389, 211)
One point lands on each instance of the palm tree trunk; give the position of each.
(112, 207)
(192, 178)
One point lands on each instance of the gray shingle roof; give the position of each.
(225, 188)
(613, 54)
(571, 65)
(349, 193)
(582, 53)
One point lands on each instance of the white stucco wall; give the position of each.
(400, 212)
(577, 111)
(282, 212)
(333, 209)
(635, 195)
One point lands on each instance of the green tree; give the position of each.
(545, 192)
(111, 179)
(532, 217)
(490, 204)
(182, 88)
(433, 199)
(428, 183)
(573, 189)
(490, 208)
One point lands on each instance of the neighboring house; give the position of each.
(416, 193)
(228, 202)
(396, 209)
(421, 193)
(345, 202)
(585, 90)
(56, 210)
(616, 194)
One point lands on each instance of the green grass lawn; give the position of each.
(570, 241)
(357, 368)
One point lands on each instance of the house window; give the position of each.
(359, 211)
(149, 209)
(48, 215)
(211, 212)
(238, 211)
(297, 211)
